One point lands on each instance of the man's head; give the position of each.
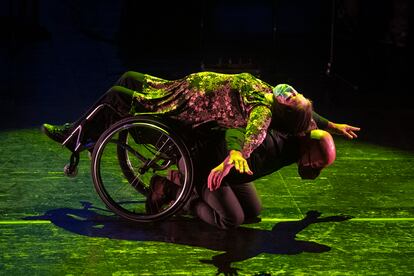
(292, 112)
(317, 151)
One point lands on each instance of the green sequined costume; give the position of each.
(233, 101)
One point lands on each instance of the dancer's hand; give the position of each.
(240, 163)
(343, 129)
(218, 173)
(234, 159)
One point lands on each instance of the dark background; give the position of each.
(58, 57)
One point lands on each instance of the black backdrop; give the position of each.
(58, 56)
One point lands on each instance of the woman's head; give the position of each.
(292, 112)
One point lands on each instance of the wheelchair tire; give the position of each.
(128, 155)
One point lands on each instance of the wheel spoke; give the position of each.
(125, 159)
(128, 148)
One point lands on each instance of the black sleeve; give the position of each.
(320, 121)
(235, 138)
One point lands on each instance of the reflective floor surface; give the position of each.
(355, 219)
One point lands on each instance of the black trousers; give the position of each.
(229, 206)
(237, 202)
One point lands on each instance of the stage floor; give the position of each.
(53, 225)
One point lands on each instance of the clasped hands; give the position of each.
(234, 159)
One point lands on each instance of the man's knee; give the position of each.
(232, 220)
(255, 210)
(317, 152)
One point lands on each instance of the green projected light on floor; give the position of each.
(51, 224)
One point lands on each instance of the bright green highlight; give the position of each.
(11, 222)
(371, 183)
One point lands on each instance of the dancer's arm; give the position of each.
(335, 128)
(243, 146)
(343, 129)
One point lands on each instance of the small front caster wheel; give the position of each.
(70, 171)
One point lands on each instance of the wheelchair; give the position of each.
(127, 156)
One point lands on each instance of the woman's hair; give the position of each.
(292, 119)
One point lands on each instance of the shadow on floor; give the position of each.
(238, 244)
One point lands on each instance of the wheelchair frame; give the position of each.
(163, 157)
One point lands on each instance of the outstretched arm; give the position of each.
(342, 129)
(256, 129)
(257, 125)
(334, 128)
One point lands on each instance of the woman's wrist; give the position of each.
(331, 127)
(235, 152)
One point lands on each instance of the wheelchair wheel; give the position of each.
(128, 155)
